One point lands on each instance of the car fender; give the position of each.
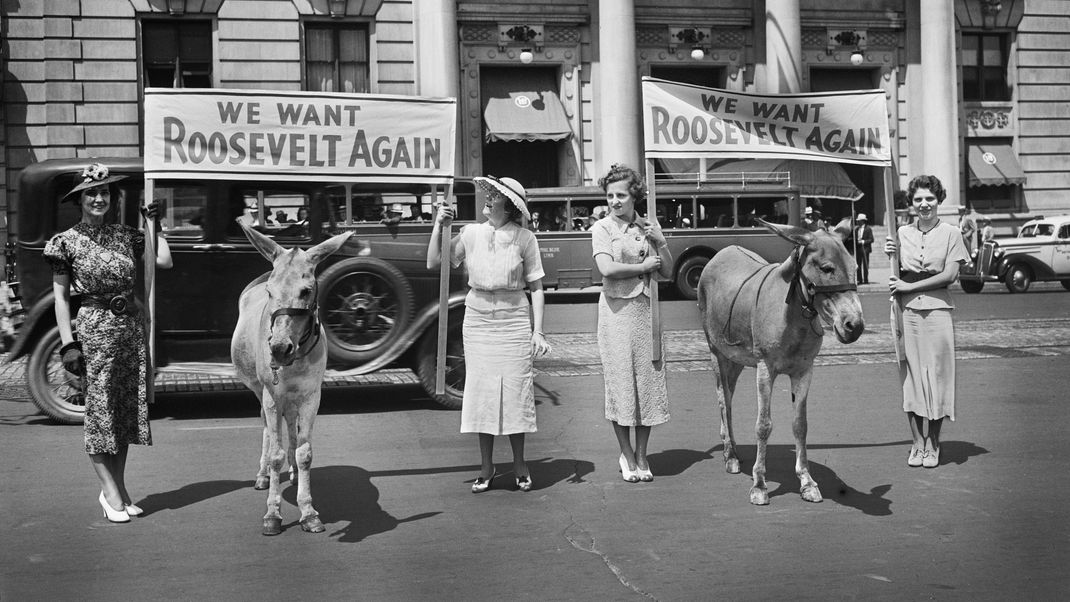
(40, 318)
(1041, 270)
(424, 318)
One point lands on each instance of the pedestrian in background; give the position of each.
(501, 257)
(987, 233)
(98, 260)
(930, 253)
(863, 244)
(629, 250)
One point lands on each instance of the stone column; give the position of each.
(783, 47)
(438, 62)
(437, 45)
(938, 110)
(620, 134)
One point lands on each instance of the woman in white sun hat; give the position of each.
(501, 258)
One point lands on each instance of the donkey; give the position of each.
(767, 315)
(279, 353)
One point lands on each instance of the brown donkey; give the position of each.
(279, 353)
(770, 316)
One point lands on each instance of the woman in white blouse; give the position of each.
(930, 252)
(501, 258)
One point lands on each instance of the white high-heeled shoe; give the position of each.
(115, 516)
(632, 476)
(133, 510)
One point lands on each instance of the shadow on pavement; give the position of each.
(780, 468)
(345, 494)
(672, 462)
(187, 495)
(334, 400)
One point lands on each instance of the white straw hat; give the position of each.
(861, 218)
(509, 188)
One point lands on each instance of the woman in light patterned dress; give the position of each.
(930, 253)
(98, 261)
(629, 250)
(501, 258)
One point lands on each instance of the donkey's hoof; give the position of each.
(262, 483)
(272, 526)
(731, 465)
(759, 497)
(312, 524)
(293, 477)
(811, 494)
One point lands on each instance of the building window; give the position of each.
(336, 58)
(984, 67)
(177, 54)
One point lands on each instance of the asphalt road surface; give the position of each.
(391, 478)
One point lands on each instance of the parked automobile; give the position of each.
(1040, 253)
(378, 301)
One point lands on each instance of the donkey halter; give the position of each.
(312, 332)
(806, 288)
(799, 283)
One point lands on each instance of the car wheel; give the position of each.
(365, 306)
(688, 274)
(1065, 283)
(972, 286)
(455, 370)
(55, 391)
(1018, 278)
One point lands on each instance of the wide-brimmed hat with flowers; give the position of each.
(509, 188)
(93, 175)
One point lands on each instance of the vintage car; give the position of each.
(378, 301)
(1040, 252)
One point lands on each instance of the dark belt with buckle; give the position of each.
(907, 276)
(118, 304)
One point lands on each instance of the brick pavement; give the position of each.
(685, 351)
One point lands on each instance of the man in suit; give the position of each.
(863, 241)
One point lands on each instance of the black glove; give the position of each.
(152, 212)
(72, 358)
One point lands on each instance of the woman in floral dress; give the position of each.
(99, 260)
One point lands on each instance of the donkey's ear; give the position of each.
(267, 247)
(797, 235)
(321, 251)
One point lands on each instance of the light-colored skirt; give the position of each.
(499, 386)
(635, 390)
(928, 375)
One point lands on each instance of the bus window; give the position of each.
(715, 212)
(182, 207)
(271, 212)
(770, 209)
(552, 216)
(675, 212)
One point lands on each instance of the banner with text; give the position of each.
(278, 135)
(681, 120)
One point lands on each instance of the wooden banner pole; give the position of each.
(443, 294)
(655, 310)
(893, 231)
(150, 294)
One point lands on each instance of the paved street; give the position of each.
(391, 480)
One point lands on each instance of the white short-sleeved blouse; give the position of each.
(499, 261)
(930, 252)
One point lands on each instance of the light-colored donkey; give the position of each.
(279, 353)
(769, 316)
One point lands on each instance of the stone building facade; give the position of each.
(976, 89)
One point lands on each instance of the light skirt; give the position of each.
(499, 387)
(928, 374)
(635, 391)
